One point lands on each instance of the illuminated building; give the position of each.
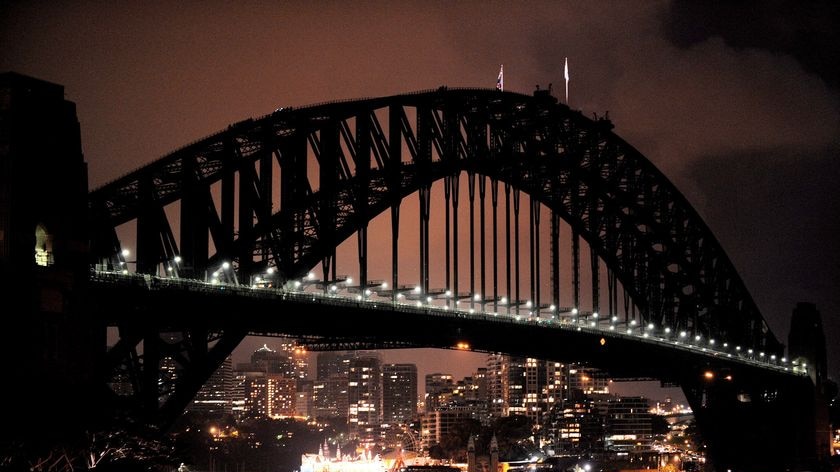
(438, 390)
(434, 425)
(271, 395)
(364, 395)
(270, 361)
(629, 426)
(269, 384)
(575, 427)
(496, 384)
(303, 398)
(329, 397)
(587, 380)
(522, 386)
(332, 363)
(298, 360)
(237, 394)
(399, 392)
(216, 395)
(280, 395)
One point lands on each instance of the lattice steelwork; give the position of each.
(371, 154)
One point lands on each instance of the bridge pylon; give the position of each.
(50, 344)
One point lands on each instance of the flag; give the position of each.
(500, 81)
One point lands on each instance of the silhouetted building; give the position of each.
(399, 392)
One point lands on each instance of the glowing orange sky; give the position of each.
(745, 126)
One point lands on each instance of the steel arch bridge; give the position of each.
(269, 200)
(651, 240)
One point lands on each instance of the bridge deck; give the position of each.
(605, 327)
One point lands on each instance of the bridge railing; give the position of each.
(612, 330)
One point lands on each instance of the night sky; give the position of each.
(739, 105)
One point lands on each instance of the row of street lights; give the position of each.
(225, 274)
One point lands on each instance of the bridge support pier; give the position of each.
(757, 423)
(51, 344)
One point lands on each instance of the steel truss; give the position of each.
(341, 164)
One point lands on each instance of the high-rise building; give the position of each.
(399, 392)
(329, 394)
(298, 359)
(216, 395)
(497, 367)
(269, 384)
(435, 425)
(271, 395)
(330, 363)
(281, 395)
(270, 361)
(303, 398)
(628, 425)
(438, 390)
(554, 381)
(521, 386)
(238, 396)
(329, 397)
(588, 380)
(364, 395)
(575, 426)
(534, 400)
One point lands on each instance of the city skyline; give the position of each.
(458, 363)
(744, 122)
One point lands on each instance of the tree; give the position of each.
(659, 425)
(513, 435)
(454, 443)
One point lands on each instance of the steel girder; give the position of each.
(373, 153)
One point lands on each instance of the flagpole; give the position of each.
(566, 75)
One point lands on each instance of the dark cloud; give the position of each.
(778, 216)
(806, 30)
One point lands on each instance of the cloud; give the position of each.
(806, 31)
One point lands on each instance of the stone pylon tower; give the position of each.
(49, 339)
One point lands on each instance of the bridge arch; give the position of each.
(341, 164)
